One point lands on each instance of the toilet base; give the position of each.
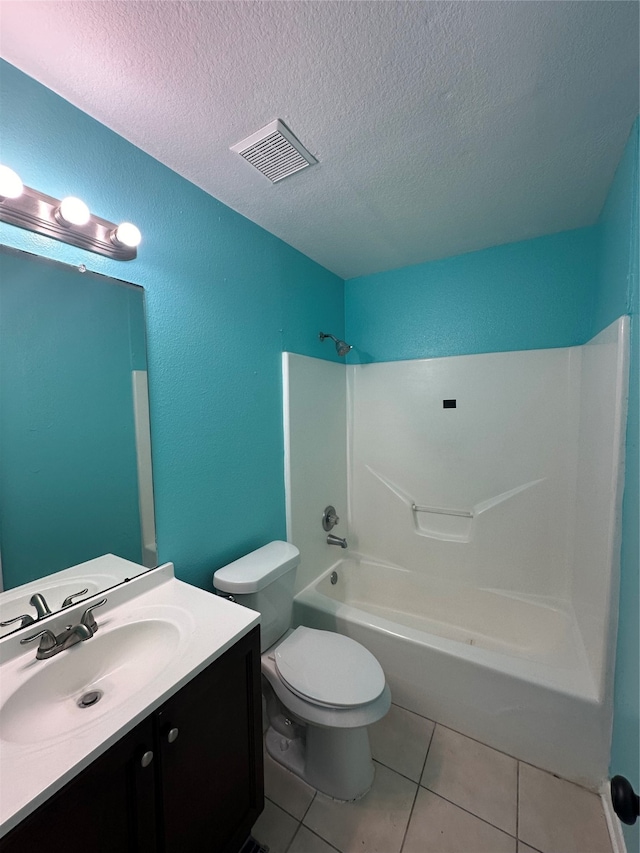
(336, 762)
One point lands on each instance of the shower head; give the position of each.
(342, 347)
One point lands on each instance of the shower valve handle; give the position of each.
(329, 518)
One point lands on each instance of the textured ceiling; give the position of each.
(440, 127)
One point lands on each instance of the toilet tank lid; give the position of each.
(256, 570)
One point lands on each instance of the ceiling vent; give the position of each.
(275, 151)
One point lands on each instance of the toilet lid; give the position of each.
(329, 668)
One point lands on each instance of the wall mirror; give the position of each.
(75, 446)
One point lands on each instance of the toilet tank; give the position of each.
(264, 581)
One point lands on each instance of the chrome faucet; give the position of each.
(52, 644)
(42, 609)
(40, 604)
(336, 540)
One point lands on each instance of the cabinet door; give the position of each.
(211, 765)
(107, 808)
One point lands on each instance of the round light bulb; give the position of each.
(127, 235)
(10, 184)
(74, 211)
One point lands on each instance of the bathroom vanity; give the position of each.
(172, 764)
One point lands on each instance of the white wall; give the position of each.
(315, 426)
(505, 453)
(598, 501)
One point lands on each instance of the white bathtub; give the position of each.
(508, 670)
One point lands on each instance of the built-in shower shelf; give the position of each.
(439, 510)
(449, 524)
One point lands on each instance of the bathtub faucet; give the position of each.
(336, 540)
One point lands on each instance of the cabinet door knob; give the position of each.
(147, 758)
(172, 735)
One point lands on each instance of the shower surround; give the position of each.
(483, 496)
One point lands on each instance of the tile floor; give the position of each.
(435, 791)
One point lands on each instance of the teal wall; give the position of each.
(68, 480)
(529, 295)
(553, 291)
(224, 298)
(617, 294)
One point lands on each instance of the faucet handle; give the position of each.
(24, 620)
(69, 599)
(329, 518)
(47, 642)
(88, 619)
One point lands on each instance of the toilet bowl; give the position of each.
(335, 688)
(322, 689)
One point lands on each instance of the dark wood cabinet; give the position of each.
(210, 778)
(202, 790)
(109, 806)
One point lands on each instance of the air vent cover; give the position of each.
(275, 151)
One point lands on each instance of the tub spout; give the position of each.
(336, 540)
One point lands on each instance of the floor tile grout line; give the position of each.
(273, 803)
(406, 829)
(288, 847)
(295, 779)
(301, 825)
(462, 808)
(458, 732)
(286, 811)
(317, 835)
(433, 731)
(422, 716)
(399, 772)
(482, 743)
(413, 805)
(311, 802)
(518, 801)
(536, 849)
(394, 770)
(282, 808)
(507, 754)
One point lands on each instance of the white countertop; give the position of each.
(30, 772)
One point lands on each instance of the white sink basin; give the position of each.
(115, 663)
(155, 634)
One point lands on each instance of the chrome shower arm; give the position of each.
(342, 347)
(323, 335)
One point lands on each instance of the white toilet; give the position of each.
(322, 689)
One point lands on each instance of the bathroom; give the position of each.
(225, 298)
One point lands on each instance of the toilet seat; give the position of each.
(328, 669)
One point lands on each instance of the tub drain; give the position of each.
(90, 698)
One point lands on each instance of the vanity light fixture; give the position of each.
(126, 234)
(69, 220)
(72, 211)
(10, 184)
